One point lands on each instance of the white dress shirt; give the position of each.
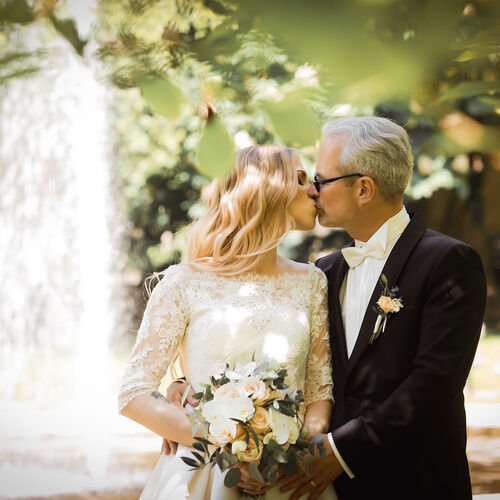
(359, 283)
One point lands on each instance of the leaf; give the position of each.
(255, 438)
(216, 149)
(16, 11)
(202, 440)
(232, 478)
(254, 472)
(294, 121)
(273, 476)
(67, 28)
(198, 446)
(190, 462)
(280, 455)
(266, 470)
(469, 89)
(237, 420)
(283, 408)
(220, 462)
(163, 96)
(199, 457)
(291, 466)
(197, 395)
(230, 458)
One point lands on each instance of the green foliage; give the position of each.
(164, 96)
(276, 69)
(216, 149)
(18, 58)
(16, 11)
(67, 29)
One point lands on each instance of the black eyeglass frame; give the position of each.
(317, 182)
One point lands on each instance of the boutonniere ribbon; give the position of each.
(386, 305)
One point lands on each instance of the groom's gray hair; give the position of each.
(376, 147)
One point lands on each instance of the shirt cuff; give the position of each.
(346, 468)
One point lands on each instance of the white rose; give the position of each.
(221, 409)
(223, 430)
(227, 391)
(252, 387)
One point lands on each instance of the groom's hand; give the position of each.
(175, 393)
(323, 471)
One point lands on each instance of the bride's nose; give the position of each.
(311, 191)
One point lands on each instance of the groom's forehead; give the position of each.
(329, 155)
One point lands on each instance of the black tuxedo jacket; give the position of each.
(398, 420)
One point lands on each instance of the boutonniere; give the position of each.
(387, 304)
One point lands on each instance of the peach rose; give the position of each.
(252, 387)
(268, 395)
(227, 391)
(251, 453)
(261, 422)
(240, 431)
(385, 303)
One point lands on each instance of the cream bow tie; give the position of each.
(355, 256)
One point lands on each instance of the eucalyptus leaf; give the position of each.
(279, 454)
(230, 458)
(290, 467)
(273, 476)
(285, 409)
(232, 478)
(220, 462)
(163, 96)
(255, 473)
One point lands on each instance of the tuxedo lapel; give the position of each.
(338, 341)
(392, 270)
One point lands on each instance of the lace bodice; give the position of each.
(211, 319)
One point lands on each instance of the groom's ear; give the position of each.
(366, 189)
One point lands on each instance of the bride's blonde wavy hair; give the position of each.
(247, 213)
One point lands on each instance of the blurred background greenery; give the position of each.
(235, 73)
(195, 80)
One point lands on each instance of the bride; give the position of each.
(233, 297)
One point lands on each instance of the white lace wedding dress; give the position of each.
(211, 320)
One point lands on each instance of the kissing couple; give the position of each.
(380, 336)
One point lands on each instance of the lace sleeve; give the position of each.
(318, 383)
(162, 328)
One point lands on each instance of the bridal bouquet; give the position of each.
(249, 415)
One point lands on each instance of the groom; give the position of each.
(398, 424)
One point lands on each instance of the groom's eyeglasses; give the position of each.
(317, 182)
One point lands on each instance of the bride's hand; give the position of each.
(175, 393)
